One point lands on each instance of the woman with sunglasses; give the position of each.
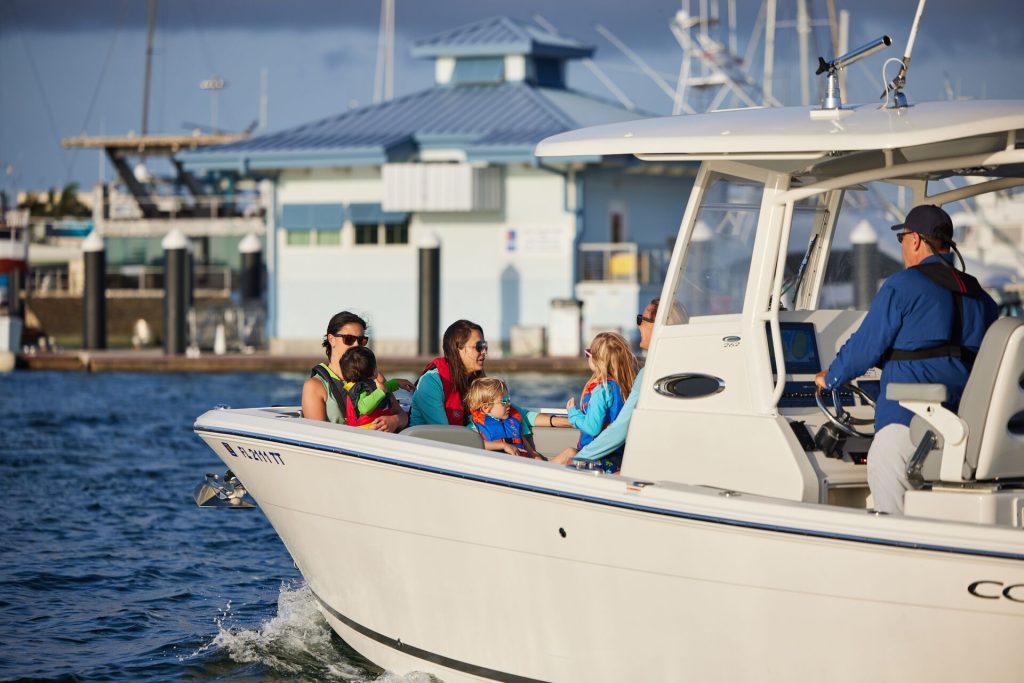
(320, 398)
(441, 389)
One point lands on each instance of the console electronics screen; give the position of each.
(799, 348)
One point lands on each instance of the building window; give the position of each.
(312, 224)
(396, 234)
(367, 233)
(479, 70)
(549, 73)
(328, 238)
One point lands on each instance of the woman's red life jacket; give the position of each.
(453, 407)
(352, 416)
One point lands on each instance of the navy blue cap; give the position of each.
(928, 220)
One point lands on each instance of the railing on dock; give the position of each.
(209, 281)
(623, 262)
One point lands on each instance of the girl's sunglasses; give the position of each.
(352, 339)
(588, 353)
(481, 346)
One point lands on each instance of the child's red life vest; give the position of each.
(452, 399)
(352, 393)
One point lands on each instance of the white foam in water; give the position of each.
(297, 639)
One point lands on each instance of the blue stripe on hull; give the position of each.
(619, 504)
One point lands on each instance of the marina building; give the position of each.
(355, 196)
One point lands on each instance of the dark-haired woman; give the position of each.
(441, 389)
(319, 401)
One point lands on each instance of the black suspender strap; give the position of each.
(958, 285)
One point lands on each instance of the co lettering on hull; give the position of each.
(995, 590)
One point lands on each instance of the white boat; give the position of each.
(13, 264)
(730, 547)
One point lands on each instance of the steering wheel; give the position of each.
(842, 419)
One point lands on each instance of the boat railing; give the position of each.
(211, 281)
(126, 207)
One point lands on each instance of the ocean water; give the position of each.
(108, 570)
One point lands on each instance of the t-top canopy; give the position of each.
(790, 132)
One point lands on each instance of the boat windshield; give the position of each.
(864, 216)
(810, 220)
(713, 277)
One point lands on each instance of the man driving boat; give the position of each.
(925, 325)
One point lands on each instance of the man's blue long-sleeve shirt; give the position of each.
(911, 312)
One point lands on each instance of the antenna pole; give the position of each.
(803, 29)
(896, 85)
(769, 50)
(384, 76)
(264, 98)
(149, 65)
(901, 78)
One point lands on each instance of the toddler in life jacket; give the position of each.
(367, 394)
(499, 423)
(614, 368)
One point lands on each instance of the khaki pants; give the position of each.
(888, 456)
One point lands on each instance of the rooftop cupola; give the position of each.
(500, 50)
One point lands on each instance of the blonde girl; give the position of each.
(614, 368)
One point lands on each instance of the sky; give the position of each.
(71, 67)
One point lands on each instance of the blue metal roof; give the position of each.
(501, 122)
(500, 36)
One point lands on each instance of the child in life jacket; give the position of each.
(498, 422)
(366, 395)
(614, 368)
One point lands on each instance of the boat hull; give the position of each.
(478, 567)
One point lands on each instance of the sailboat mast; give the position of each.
(149, 66)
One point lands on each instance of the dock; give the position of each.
(157, 361)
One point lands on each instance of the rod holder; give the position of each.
(833, 98)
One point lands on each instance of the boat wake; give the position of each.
(297, 641)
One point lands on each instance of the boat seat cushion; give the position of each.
(452, 434)
(993, 405)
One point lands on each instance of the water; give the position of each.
(108, 570)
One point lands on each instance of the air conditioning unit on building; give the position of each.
(442, 187)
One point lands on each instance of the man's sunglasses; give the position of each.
(351, 339)
(901, 235)
(641, 319)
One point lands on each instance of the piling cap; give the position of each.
(701, 232)
(863, 233)
(94, 242)
(250, 244)
(428, 239)
(175, 239)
